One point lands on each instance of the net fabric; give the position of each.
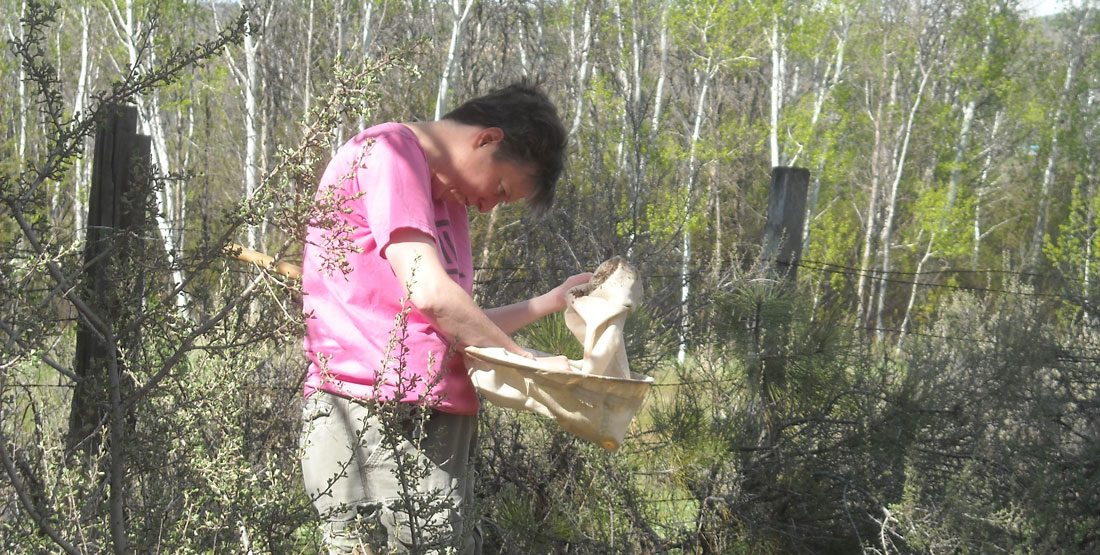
(598, 399)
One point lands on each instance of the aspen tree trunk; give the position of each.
(580, 54)
(625, 85)
(960, 153)
(964, 133)
(83, 170)
(307, 96)
(685, 261)
(1090, 212)
(887, 239)
(659, 92)
(55, 196)
(655, 120)
(871, 218)
(338, 29)
(628, 161)
(778, 62)
(338, 133)
(524, 62)
(832, 76)
(21, 88)
(364, 41)
(250, 117)
(460, 9)
(635, 122)
(983, 185)
(248, 82)
(636, 63)
(528, 63)
(913, 291)
(1039, 231)
(715, 201)
(365, 27)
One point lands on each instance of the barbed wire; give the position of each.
(928, 272)
(877, 276)
(891, 276)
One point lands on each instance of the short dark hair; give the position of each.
(533, 134)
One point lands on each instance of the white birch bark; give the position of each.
(367, 7)
(580, 55)
(659, 91)
(871, 216)
(82, 167)
(307, 95)
(703, 78)
(964, 132)
(928, 252)
(636, 59)
(715, 201)
(625, 85)
(460, 10)
(960, 153)
(338, 133)
(364, 44)
(250, 82)
(886, 240)
(524, 60)
(1090, 213)
(832, 76)
(983, 189)
(776, 96)
(1039, 231)
(250, 133)
(21, 91)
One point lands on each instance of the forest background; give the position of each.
(927, 382)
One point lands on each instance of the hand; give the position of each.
(517, 350)
(558, 294)
(559, 363)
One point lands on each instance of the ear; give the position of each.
(489, 136)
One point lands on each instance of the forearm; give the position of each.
(458, 316)
(439, 298)
(511, 318)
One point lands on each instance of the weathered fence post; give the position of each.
(116, 214)
(782, 250)
(786, 216)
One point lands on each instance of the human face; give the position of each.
(480, 179)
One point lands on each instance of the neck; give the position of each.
(439, 140)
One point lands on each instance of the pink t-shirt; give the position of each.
(379, 183)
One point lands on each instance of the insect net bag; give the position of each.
(597, 400)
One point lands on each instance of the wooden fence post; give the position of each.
(782, 250)
(786, 217)
(116, 214)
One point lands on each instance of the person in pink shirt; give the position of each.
(393, 240)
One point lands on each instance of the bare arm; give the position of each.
(511, 318)
(415, 261)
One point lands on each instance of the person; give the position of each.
(387, 282)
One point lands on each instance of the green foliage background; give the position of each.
(926, 383)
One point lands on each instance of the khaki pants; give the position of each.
(376, 498)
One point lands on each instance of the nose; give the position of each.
(484, 205)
